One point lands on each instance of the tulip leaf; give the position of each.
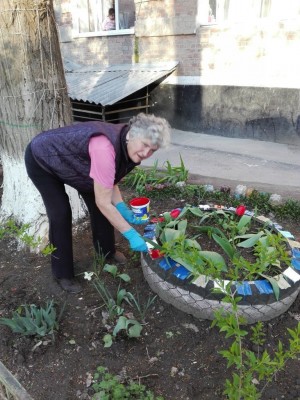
(196, 211)
(182, 226)
(171, 234)
(192, 243)
(226, 246)
(251, 241)
(274, 284)
(244, 221)
(215, 258)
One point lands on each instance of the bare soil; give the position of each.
(177, 356)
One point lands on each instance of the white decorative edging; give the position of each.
(258, 303)
(202, 308)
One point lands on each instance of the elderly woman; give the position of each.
(92, 157)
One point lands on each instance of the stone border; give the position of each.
(168, 280)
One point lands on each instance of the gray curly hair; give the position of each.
(149, 126)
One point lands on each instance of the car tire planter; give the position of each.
(172, 283)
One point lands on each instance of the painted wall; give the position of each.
(243, 77)
(243, 112)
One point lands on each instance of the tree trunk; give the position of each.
(34, 98)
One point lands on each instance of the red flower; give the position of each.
(174, 213)
(240, 210)
(155, 253)
(156, 220)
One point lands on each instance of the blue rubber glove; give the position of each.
(137, 243)
(128, 215)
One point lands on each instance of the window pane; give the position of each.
(93, 15)
(236, 10)
(108, 21)
(245, 10)
(89, 15)
(281, 10)
(126, 14)
(212, 11)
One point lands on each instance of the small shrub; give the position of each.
(143, 180)
(12, 230)
(251, 372)
(110, 387)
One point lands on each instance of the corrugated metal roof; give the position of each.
(108, 85)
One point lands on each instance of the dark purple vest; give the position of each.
(64, 151)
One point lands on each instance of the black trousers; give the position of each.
(59, 213)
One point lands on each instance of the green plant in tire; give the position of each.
(231, 233)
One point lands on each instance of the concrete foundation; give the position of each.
(268, 114)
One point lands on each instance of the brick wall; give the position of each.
(244, 77)
(262, 52)
(265, 52)
(101, 51)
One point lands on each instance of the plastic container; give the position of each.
(141, 207)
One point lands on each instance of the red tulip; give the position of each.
(240, 210)
(174, 213)
(156, 220)
(155, 253)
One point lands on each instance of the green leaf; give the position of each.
(274, 284)
(112, 269)
(120, 296)
(124, 277)
(215, 258)
(226, 246)
(251, 241)
(192, 243)
(196, 211)
(244, 221)
(11, 323)
(171, 234)
(135, 329)
(210, 229)
(107, 339)
(186, 264)
(121, 324)
(182, 225)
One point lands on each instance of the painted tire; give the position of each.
(171, 283)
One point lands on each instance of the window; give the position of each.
(90, 16)
(215, 11)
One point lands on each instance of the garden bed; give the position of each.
(176, 357)
(262, 298)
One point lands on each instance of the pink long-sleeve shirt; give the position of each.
(103, 168)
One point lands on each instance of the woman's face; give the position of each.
(139, 149)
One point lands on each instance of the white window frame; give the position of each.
(248, 11)
(114, 32)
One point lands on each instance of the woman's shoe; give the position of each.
(118, 257)
(69, 285)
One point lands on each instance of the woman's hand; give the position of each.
(128, 214)
(137, 243)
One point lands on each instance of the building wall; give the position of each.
(104, 52)
(242, 72)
